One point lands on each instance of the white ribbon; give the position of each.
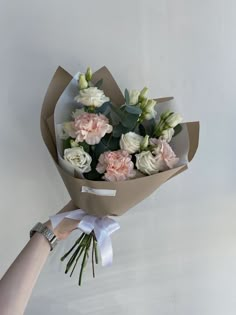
(102, 227)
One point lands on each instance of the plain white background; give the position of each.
(176, 252)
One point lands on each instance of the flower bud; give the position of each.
(166, 114)
(173, 120)
(133, 97)
(83, 84)
(73, 143)
(143, 94)
(149, 110)
(143, 103)
(88, 74)
(167, 134)
(144, 144)
(150, 105)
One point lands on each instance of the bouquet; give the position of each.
(111, 150)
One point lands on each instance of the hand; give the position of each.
(63, 230)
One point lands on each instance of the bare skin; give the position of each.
(18, 282)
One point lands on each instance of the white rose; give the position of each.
(78, 158)
(146, 163)
(133, 97)
(91, 97)
(167, 134)
(130, 142)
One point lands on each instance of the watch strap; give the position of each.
(46, 232)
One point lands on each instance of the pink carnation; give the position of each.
(91, 127)
(164, 155)
(116, 165)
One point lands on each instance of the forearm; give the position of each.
(17, 284)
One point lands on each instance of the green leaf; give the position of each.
(104, 109)
(130, 121)
(118, 130)
(132, 109)
(99, 83)
(142, 130)
(150, 127)
(107, 143)
(177, 130)
(114, 118)
(127, 98)
(85, 145)
(93, 175)
(118, 112)
(66, 143)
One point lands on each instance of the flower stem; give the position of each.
(72, 248)
(87, 246)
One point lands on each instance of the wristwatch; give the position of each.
(46, 232)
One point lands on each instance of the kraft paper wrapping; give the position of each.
(127, 193)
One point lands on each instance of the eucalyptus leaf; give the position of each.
(127, 98)
(107, 143)
(132, 109)
(130, 120)
(104, 109)
(118, 112)
(118, 130)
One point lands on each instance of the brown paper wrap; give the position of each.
(128, 193)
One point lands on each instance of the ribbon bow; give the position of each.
(102, 227)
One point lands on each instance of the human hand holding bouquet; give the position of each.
(105, 144)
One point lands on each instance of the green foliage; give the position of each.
(177, 130)
(127, 98)
(104, 109)
(132, 109)
(118, 130)
(85, 145)
(128, 120)
(142, 130)
(107, 143)
(150, 127)
(66, 143)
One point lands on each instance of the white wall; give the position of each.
(176, 251)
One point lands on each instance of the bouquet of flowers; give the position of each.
(112, 151)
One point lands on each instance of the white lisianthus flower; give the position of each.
(173, 120)
(78, 158)
(91, 96)
(133, 97)
(167, 134)
(146, 163)
(130, 142)
(149, 110)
